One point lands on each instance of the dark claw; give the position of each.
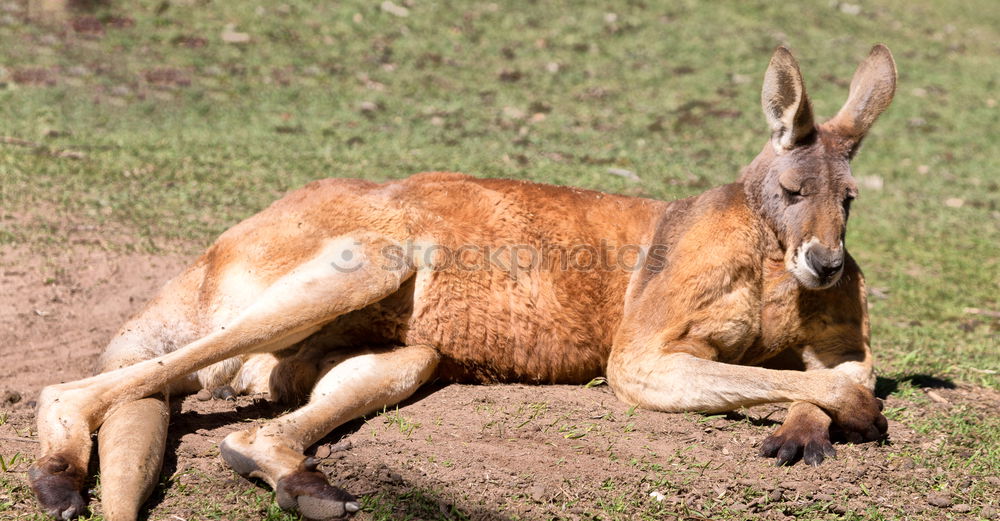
(799, 439)
(812, 456)
(788, 454)
(769, 448)
(882, 424)
(57, 484)
(828, 450)
(815, 452)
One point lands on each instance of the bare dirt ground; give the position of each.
(460, 452)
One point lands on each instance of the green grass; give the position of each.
(395, 419)
(181, 137)
(667, 91)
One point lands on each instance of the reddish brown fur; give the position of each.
(749, 275)
(550, 325)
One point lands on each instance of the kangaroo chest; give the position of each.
(783, 323)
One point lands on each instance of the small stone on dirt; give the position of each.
(395, 10)
(391, 477)
(11, 397)
(851, 9)
(936, 397)
(204, 395)
(231, 35)
(962, 508)
(988, 512)
(538, 493)
(823, 497)
(775, 495)
(939, 499)
(738, 507)
(322, 452)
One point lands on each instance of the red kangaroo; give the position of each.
(350, 295)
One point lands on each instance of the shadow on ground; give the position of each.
(384, 494)
(886, 386)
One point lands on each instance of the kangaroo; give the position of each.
(350, 295)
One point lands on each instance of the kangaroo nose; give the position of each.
(824, 261)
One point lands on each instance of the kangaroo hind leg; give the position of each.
(310, 294)
(134, 436)
(360, 384)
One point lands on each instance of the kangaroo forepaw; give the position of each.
(804, 435)
(790, 445)
(307, 491)
(57, 482)
(861, 419)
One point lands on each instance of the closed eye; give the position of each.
(793, 196)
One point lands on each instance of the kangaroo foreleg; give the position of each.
(805, 433)
(677, 382)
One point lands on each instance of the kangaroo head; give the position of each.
(801, 183)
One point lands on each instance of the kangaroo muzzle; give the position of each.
(815, 265)
(827, 263)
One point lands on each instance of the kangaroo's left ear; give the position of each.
(872, 89)
(786, 106)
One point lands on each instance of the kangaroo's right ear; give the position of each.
(872, 89)
(785, 103)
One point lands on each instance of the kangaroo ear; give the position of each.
(872, 89)
(785, 103)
